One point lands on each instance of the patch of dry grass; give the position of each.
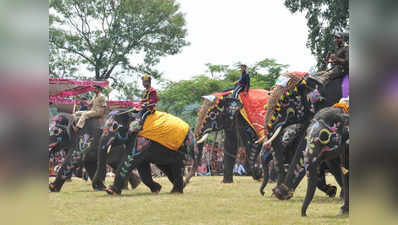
(205, 201)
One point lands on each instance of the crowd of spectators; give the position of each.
(212, 162)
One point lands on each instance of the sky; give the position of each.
(229, 31)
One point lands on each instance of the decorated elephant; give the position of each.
(327, 140)
(81, 149)
(289, 143)
(165, 140)
(297, 105)
(241, 119)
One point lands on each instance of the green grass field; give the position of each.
(205, 201)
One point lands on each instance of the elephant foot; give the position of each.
(156, 188)
(331, 191)
(228, 180)
(344, 210)
(176, 190)
(112, 191)
(52, 188)
(303, 214)
(134, 181)
(99, 187)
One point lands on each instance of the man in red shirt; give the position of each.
(149, 99)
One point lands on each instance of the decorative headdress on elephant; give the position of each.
(286, 82)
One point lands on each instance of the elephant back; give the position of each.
(166, 129)
(285, 82)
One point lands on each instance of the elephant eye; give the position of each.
(324, 136)
(55, 131)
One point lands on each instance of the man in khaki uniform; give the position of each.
(98, 107)
(339, 60)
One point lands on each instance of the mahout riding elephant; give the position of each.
(221, 112)
(164, 140)
(327, 139)
(81, 149)
(298, 105)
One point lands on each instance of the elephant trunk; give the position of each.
(310, 189)
(100, 173)
(197, 158)
(265, 160)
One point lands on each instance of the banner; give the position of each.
(66, 87)
(121, 104)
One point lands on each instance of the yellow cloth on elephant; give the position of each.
(166, 129)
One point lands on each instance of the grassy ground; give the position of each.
(205, 201)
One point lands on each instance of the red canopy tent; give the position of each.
(61, 89)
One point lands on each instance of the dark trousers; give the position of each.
(238, 88)
(142, 115)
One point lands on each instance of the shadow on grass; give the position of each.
(337, 216)
(322, 200)
(135, 195)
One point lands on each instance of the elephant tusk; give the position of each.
(273, 136)
(202, 139)
(261, 139)
(109, 149)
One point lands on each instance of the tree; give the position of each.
(324, 18)
(114, 39)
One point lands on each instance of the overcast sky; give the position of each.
(228, 31)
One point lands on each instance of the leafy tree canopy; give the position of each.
(324, 18)
(113, 39)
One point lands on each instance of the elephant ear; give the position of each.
(345, 118)
(210, 98)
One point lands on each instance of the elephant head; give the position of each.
(216, 113)
(114, 132)
(326, 133)
(59, 132)
(299, 105)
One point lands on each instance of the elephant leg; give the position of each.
(168, 172)
(90, 168)
(146, 176)
(100, 172)
(345, 207)
(311, 187)
(335, 170)
(265, 161)
(330, 190)
(231, 148)
(134, 180)
(345, 176)
(178, 184)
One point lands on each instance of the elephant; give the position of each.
(223, 113)
(289, 142)
(121, 127)
(298, 105)
(327, 137)
(62, 137)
